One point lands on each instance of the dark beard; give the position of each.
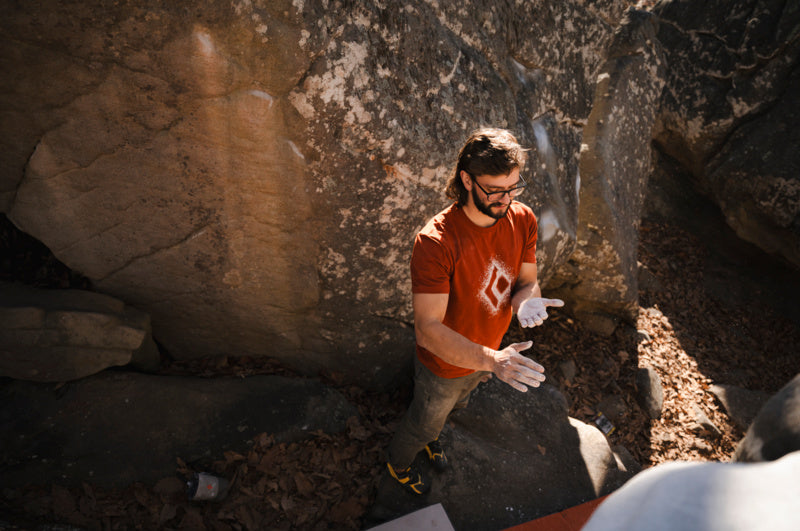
(485, 208)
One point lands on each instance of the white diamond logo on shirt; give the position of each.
(496, 288)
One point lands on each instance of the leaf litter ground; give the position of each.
(685, 331)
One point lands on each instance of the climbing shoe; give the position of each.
(436, 455)
(411, 479)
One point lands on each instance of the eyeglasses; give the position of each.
(496, 196)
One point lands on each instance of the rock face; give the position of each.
(728, 111)
(601, 275)
(514, 457)
(113, 429)
(62, 335)
(252, 174)
(163, 171)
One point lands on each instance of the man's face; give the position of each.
(494, 208)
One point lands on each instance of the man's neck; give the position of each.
(477, 217)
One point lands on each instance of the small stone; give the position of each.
(704, 424)
(568, 369)
(601, 324)
(649, 393)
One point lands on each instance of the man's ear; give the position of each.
(466, 180)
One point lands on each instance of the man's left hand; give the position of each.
(533, 311)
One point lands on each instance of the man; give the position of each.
(472, 265)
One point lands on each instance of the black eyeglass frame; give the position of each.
(494, 196)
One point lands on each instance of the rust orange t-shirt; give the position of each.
(478, 268)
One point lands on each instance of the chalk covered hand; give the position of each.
(517, 370)
(533, 311)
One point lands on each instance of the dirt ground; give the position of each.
(689, 330)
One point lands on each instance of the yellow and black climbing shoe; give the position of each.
(436, 455)
(411, 479)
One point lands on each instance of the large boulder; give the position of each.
(775, 431)
(252, 174)
(728, 112)
(62, 335)
(514, 457)
(601, 276)
(116, 428)
(161, 170)
(705, 497)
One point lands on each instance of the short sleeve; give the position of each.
(431, 265)
(529, 254)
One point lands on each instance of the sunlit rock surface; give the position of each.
(252, 175)
(600, 277)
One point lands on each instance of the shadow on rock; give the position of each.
(514, 457)
(116, 428)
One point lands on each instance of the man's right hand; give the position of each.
(515, 369)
